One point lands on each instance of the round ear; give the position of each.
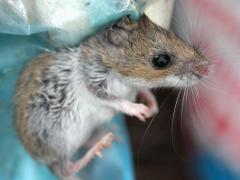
(146, 24)
(118, 37)
(119, 34)
(127, 24)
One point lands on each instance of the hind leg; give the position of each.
(67, 169)
(100, 132)
(58, 170)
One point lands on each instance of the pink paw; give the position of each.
(139, 110)
(106, 141)
(148, 98)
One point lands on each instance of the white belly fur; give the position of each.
(88, 117)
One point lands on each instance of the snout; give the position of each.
(186, 67)
(203, 68)
(199, 69)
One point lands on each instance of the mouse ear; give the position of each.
(127, 24)
(118, 37)
(146, 24)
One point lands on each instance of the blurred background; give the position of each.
(193, 138)
(203, 143)
(159, 145)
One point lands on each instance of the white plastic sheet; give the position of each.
(66, 20)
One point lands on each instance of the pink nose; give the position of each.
(203, 69)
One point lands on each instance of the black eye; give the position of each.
(161, 61)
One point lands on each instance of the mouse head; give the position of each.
(149, 55)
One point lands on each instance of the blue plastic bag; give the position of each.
(23, 18)
(67, 22)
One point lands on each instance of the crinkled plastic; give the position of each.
(67, 21)
(16, 163)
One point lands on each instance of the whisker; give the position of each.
(187, 96)
(229, 62)
(186, 102)
(173, 117)
(210, 82)
(144, 136)
(196, 106)
(150, 124)
(210, 85)
(182, 106)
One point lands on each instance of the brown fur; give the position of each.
(127, 48)
(146, 39)
(28, 85)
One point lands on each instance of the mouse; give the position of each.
(62, 96)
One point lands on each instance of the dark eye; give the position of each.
(161, 61)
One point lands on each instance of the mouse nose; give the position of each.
(203, 69)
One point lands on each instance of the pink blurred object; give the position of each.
(215, 110)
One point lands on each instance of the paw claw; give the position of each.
(141, 111)
(106, 141)
(99, 154)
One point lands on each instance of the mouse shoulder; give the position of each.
(31, 77)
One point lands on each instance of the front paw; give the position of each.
(148, 98)
(154, 109)
(139, 110)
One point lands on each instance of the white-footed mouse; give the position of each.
(61, 97)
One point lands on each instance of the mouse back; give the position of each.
(27, 87)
